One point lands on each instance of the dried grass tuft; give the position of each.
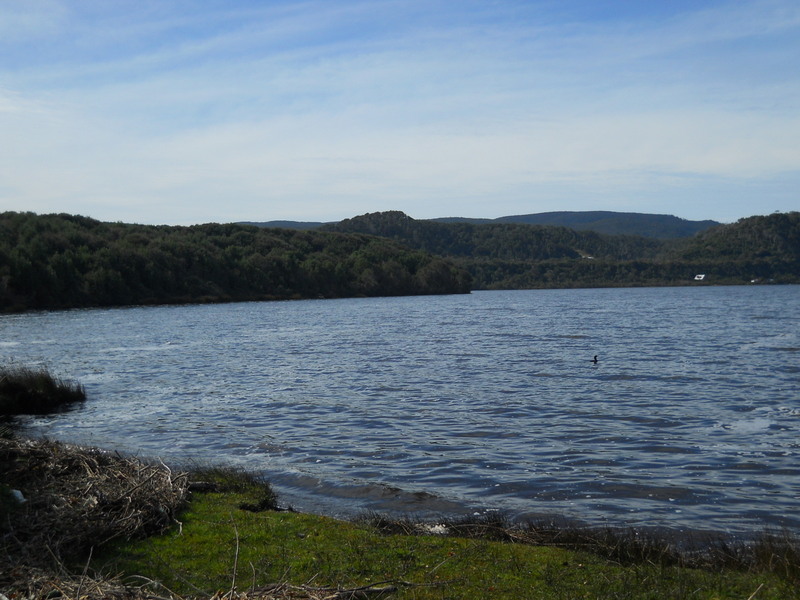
(29, 391)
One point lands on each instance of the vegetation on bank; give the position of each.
(27, 391)
(222, 547)
(64, 261)
(518, 256)
(98, 525)
(60, 503)
(773, 238)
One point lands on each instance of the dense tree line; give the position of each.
(774, 237)
(59, 261)
(600, 221)
(502, 241)
(602, 273)
(514, 256)
(617, 223)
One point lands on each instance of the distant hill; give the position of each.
(63, 261)
(469, 220)
(769, 238)
(299, 225)
(497, 240)
(504, 255)
(618, 223)
(607, 222)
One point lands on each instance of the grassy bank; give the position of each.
(98, 525)
(220, 547)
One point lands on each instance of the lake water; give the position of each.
(457, 404)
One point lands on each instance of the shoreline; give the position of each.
(204, 300)
(77, 499)
(348, 501)
(454, 511)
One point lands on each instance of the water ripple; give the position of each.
(458, 403)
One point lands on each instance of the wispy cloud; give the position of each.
(314, 110)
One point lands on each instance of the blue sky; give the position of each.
(178, 112)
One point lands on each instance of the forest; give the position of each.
(66, 261)
(518, 256)
(600, 221)
(608, 222)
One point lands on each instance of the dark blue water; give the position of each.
(489, 401)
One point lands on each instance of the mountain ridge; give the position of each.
(517, 256)
(69, 261)
(658, 226)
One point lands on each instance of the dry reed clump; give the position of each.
(75, 499)
(29, 391)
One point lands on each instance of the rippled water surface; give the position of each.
(690, 419)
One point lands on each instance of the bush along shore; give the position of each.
(82, 523)
(27, 391)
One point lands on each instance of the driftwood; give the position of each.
(75, 499)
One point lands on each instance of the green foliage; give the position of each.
(25, 391)
(61, 261)
(600, 221)
(499, 241)
(616, 223)
(518, 256)
(771, 238)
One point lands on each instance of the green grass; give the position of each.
(30, 391)
(220, 545)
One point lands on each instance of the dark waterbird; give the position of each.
(594, 360)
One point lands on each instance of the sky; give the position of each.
(177, 112)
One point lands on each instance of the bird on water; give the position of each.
(594, 360)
